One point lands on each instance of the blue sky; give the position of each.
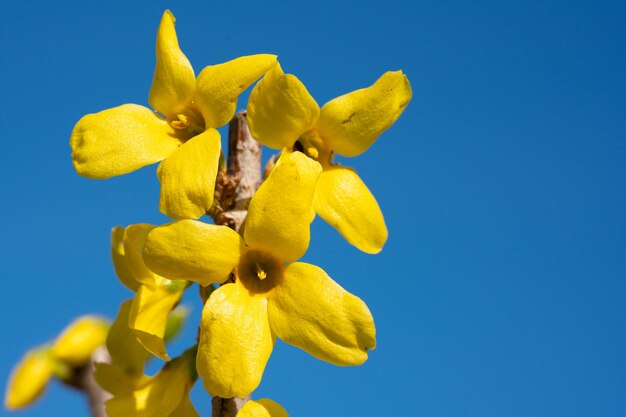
(501, 289)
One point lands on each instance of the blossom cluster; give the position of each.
(254, 287)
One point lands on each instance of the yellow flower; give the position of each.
(179, 131)
(163, 395)
(155, 296)
(297, 302)
(262, 408)
(122, 343)
(116, 380)
(125, 374)
(29, 378)
(282, 114)
(77, 342)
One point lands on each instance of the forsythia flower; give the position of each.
(29, 378)
(125, 374)
(155, 296)
(262, 408)
(163, 395)
(180, 130)
(116, 380)
(72, 349)
(122, 343)
(297, 302)
(282, 114)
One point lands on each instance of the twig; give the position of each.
(244, 166)
(96, 395)
(227, 407)
(82, 379)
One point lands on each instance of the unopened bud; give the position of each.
(29, 378)
(78, 341)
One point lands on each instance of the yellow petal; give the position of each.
(29, 378)
(219, 86)
(77, 342)
(135, 237)
(188, 177)
(235, 342)
(280, 109)
(274, 409)
(343, 200)
(351, 123)
(125, 349)
(194, 251)
(311, 311)
(158, 397)
(116, 380)
(120, 140)
(122, 270)
(262, 408)
(174, 80)
(148, 316)
(185, 409)
(279, 215)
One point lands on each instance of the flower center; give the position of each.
(311, 144)
(187, 123)
(259, 271)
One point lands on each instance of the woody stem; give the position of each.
(244, 164)
(82, 379)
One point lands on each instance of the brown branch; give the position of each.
(227, 407)
(244, 167)
(82, 379)
(96, 395)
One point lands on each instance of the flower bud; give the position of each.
(29, 378)
(78, 341)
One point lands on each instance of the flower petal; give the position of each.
(135, 237)
(117, 380)
(125, 349)
(185, 409)
(122, 270)
(120, 140)
(188, 175)
(174, 81)
(343, 200)
(311, 311)
(219, 86)
(279, 214)
(235, 342)
(29, 378)
(148, 316)
(194, 251)
(160, 396)
(262, 408)
(274, 409)
(280, 109)
(77, 342)
(351, 123)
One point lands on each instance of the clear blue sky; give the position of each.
(501, 290)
